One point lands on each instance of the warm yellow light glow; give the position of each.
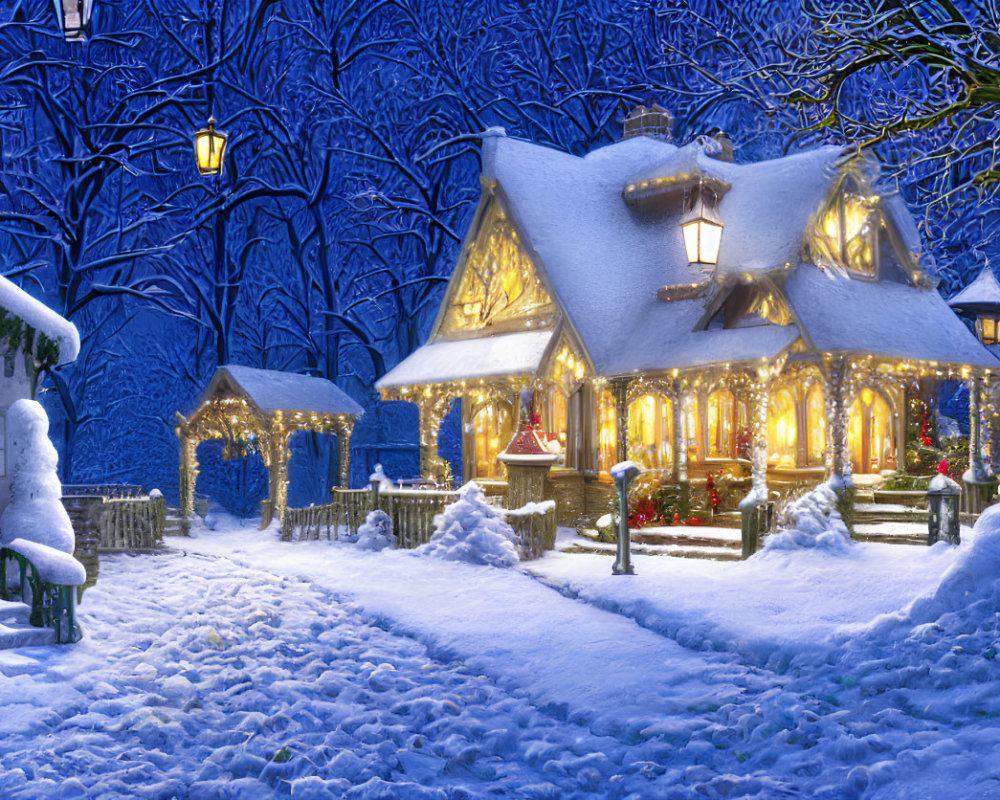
(210, 148)
(870, 433)
(702, 226)
(499, 283)
(650, 423)
(988, 330)
(781, 429)
(607, 433)
(845, 233)
(816, 424)
(493, 428)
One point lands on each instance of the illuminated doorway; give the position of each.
(492, 430)
(870, 433)
(607, 433)
(650, 423)
(781, 429)
(815, 425)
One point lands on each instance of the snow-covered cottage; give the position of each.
(33, 339)
(796, 342)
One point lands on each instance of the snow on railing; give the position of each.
(534, 527)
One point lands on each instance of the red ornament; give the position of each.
(676, 520)
(943, 466)
(925, 431)
(713, 496)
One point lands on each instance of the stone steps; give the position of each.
(15, 630)
(680, 542)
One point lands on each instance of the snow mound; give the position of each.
(473, 531)
(53, 565)
(376, 532)
(971, 583)
(35, 512)
(812, 521)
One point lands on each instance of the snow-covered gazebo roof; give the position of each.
(983, 294)
(272, 390)
(14, 300)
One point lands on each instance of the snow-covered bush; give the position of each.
(472, 530)
(376, 532)
(811, 521)
(35, 512)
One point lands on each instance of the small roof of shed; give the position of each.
(272, 390)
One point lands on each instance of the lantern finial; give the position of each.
(210, 148)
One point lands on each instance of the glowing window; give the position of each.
(845, 234)
(781, 429)
(607, 433)
(493, 427)
(988, 330)
(816, 424)
(649, 427)
(499, 283)
(870, 433)
(721, 424)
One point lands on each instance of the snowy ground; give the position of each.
(238, 666)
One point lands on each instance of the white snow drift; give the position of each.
(35, 512)
(812, 521)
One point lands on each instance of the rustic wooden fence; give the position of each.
(127, 524)
(412, 512)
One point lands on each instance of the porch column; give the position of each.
(679, 434)
(432, 411)
(619, 391)
(976, 471)
(277, 473)
(838, 454)
(345, 428)
(760, 395)
(189, 473)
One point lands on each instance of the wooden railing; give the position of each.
(412, 512)
(109, 490)
(118, 523)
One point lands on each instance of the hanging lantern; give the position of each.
(702, 226)
(74, 18)
(209, 148)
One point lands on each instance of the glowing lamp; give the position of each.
(702, 227)
(209, 148)
(74, 18)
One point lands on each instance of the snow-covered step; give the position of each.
(888, 512)
(891, 532)
(172, 525)
(15, 636)
(718, 544)
(14, 613)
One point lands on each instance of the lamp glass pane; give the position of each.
(691, 240)
(710, 241)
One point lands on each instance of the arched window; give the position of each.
(781, 429)
(870, 433)
(493, 428)
(649, 426)
(816, 424)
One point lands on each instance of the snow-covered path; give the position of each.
(238, 666)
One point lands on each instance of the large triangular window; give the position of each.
(499, 287)
(845, 235)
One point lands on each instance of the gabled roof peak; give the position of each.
(982, 294)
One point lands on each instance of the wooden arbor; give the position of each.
(258, 410)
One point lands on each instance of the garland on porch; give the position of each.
(41, 353)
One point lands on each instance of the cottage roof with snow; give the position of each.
(605, 266)
(982, 294)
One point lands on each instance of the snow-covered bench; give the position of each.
(46, 580)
